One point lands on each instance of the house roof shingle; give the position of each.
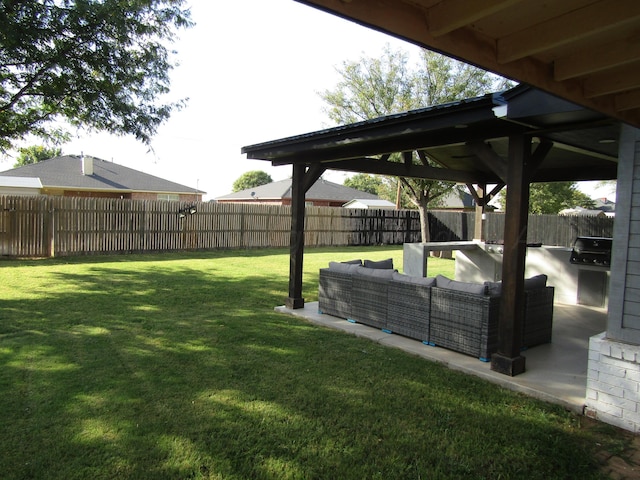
(66, 172)
(321, 190)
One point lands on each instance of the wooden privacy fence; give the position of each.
(42, 226)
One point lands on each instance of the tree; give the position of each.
(251, 179)
(102, 65)
(550, 198)
(35, 154)
(610, 185)
(365, 183)
(374, 87)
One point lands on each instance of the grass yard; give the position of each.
(175, 366)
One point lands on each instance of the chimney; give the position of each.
(87, 165)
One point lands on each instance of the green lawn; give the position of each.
(177, 367)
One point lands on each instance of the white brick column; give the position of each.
(613, 377)
(613, 383)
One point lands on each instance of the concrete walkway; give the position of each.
(555, 372)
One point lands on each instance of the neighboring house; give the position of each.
(456, 202)
(605, 205)
(20, 186)
(583, 212)
(86, 176)
(321, 194)
(372, 203)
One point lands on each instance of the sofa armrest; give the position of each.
(464, 322)
(334, 293)
(538, 316)
(409, 310)
(370, 297)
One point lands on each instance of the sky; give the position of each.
(252, 70)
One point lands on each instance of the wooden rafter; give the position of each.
(586, 51)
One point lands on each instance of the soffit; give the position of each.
(587, 51)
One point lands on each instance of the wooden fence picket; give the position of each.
(42, 226)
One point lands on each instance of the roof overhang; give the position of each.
(584, 143)
(587, 51)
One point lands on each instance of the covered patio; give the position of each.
(586, 52)
(510, 138)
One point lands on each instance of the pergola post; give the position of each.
(508, 360)
(296, 245)
(480, 196)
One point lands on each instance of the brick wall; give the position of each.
(613, 384)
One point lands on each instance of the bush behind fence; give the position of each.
(41, 226)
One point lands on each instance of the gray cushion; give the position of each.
(539, 281)
(375, 272)
(426, 281)
(343, 267)
(357, 261)
(474, 288)
(494, 289)
(385, 264)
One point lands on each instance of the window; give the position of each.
(169, 196)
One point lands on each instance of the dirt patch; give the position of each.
(624, 462)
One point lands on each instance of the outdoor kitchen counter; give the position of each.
(479, 262)
(415, 255)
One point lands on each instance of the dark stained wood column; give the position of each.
(296, 242)
(508, 359)
(301, 181)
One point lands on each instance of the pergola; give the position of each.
(510, 138)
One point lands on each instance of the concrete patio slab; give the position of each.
(555, 372)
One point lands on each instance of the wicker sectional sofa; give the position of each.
(437, 311)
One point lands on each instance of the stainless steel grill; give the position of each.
(594, 251)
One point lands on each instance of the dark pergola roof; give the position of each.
(456, 136)
(509, 138)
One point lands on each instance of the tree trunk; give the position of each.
(424, 223)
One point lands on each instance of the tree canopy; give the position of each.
(99, 64)
(35, 154)
(365, 183)
(374, 87)
(551, 198)
(251, 179)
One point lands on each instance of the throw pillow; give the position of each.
(494, 289)
(382, 264)
(343, 267)
(354, 262)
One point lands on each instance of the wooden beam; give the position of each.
(312, 175)
(571, 27)
(393, 140)
(628, 100)
(495, 190)
(368, 165)
(597, 59)
(491, 159)
(444, 17)
(578, 174)
(472, 190)
(510, 321)
(408, 21)
(616, 81)
(537, 157)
